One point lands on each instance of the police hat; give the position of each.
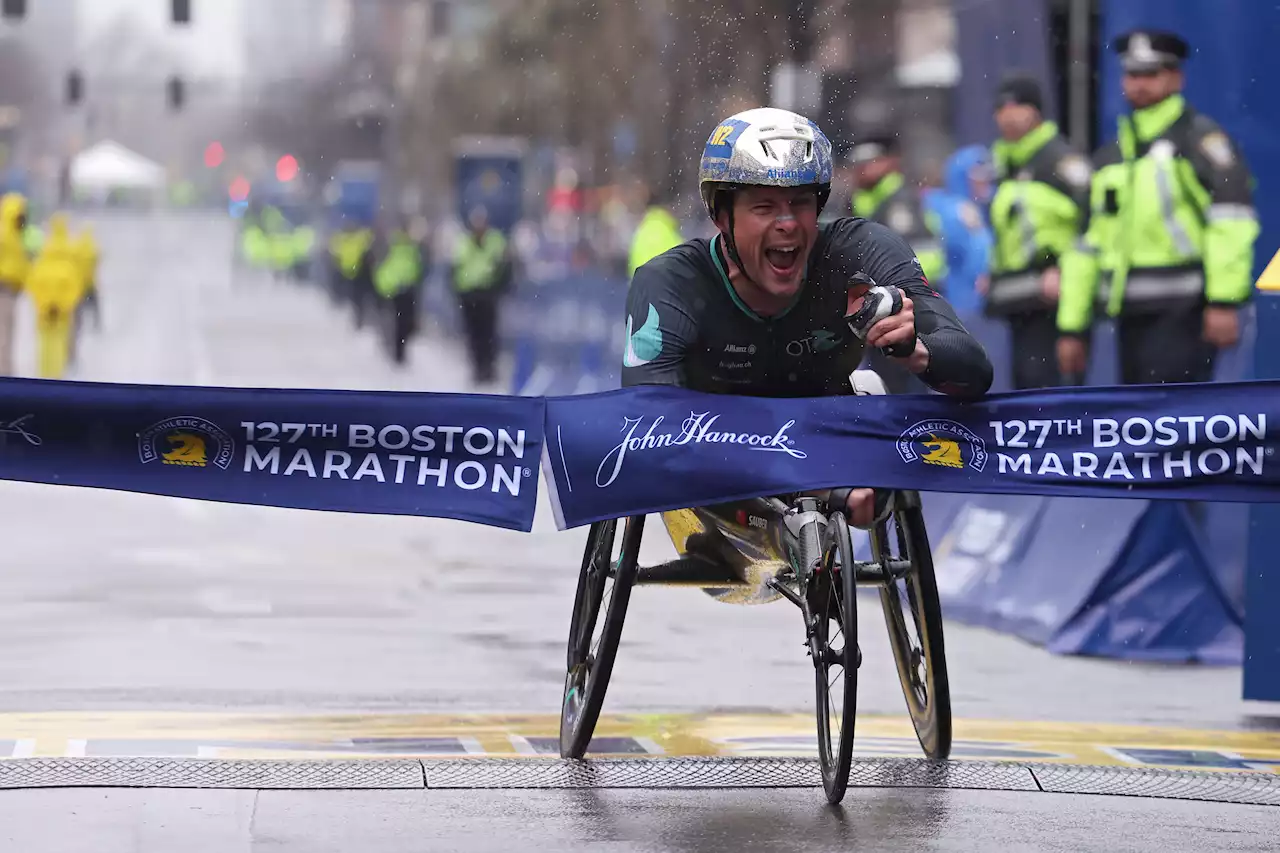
(873, 145)
(1150, 50)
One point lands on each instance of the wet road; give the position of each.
(795, 821)
(118, 601)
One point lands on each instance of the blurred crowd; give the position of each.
(376, 268)
(1154, 231)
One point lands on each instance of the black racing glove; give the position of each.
(878, 302)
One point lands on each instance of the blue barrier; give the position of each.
(1108, 578)
(564, 333)
(1262, 585)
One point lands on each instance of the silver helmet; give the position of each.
(765, 147)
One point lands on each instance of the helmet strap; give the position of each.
(731, 248)
(730, 242)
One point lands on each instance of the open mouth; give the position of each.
(783, 261)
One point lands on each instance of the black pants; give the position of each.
(480, 324)
(364, 300)
(404, 308)
(1034, 349)
(1165, 347)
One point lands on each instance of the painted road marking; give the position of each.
(259, 736)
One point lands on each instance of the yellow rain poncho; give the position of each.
(15, 263)
(56, 285)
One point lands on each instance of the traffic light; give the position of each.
(177, 93)
(14, 9)
(181, 11)
(214, 154)
(286, 168)
(239, 188)
(75, 88)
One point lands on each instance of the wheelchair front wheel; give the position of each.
(833, 603)
(590, 661)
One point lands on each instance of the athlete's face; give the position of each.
(775, 229)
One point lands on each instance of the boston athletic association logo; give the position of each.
(189, 442)
(944, 443)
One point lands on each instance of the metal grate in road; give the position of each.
(208, 773)
(1253, 788)
(719, 773)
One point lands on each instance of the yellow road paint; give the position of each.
(297, 736)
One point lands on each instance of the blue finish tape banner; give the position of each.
(650, 449)
(468, 457)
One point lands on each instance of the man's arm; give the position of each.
(660, 329)
(946, 358)
(1231, 221)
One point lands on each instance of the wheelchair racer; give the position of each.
(776, 305)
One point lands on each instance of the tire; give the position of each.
(927, 694)
(587, 675)
(833, 598)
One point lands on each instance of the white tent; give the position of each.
(109, 165)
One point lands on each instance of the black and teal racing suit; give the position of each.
(687, 326)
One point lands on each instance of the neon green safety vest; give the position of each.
(476, 265)
(891, 204)
(401, 269)
(1171, 219)
(304, 241)
(1036, 214)
(348, 249)
(257, 248)
(281, 249)
(657, 232)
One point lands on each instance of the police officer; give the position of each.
(883, 195)
(398, 278)
(480, 273)
(1168, 248)
(351, 256)
(1041, 194)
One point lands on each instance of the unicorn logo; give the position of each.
(188, 449)
(942, 451)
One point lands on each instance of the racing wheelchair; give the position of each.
(762, 550)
